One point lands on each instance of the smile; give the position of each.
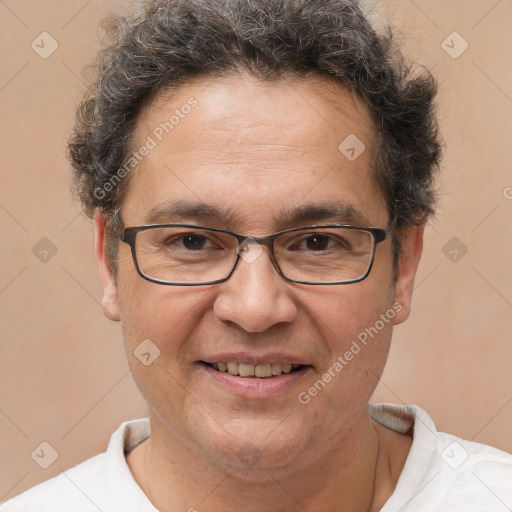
(262, 371)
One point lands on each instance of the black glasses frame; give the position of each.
(129, 236)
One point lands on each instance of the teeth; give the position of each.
(263, 370)
(251, 370)
(246, 370)
(233, 368)
(276, 369)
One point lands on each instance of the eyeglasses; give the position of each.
(189, 255)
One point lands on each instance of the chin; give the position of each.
(250, 448)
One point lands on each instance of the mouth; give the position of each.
(251, 371)
(255, 377)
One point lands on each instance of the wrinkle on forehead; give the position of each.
(225, 115)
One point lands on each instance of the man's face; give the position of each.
(257, 152)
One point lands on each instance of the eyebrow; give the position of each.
(337, 212)
(182, 210)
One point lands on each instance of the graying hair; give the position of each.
(167, 42)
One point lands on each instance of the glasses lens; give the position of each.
(185, 255)
(327, 255)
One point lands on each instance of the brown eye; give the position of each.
(193, 242)
(317, 242)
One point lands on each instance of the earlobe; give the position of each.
(412, 247)
(110, 300)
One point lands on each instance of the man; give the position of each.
(260, 173)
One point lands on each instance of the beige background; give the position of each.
(64, 378)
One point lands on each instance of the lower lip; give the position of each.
(254, 387)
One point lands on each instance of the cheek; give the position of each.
(343, 313)
(356, 326)
(157, 321)
(165, 315)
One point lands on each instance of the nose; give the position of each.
(256, 296)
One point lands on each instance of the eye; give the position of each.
(322, 242)
(317, 242)
(192, 241)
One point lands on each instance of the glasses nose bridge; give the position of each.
(265, 241)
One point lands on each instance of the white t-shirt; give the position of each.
(442, 474)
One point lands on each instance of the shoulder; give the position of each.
(75, 488)
(480, 473)
(103, 482)
(443, 472)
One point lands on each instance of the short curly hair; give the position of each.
(167, 42)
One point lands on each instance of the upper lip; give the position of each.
(255, 359)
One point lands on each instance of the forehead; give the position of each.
(255, 148)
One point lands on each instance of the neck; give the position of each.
(350, 474)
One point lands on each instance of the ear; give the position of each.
(412, 246)
(109, 302)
